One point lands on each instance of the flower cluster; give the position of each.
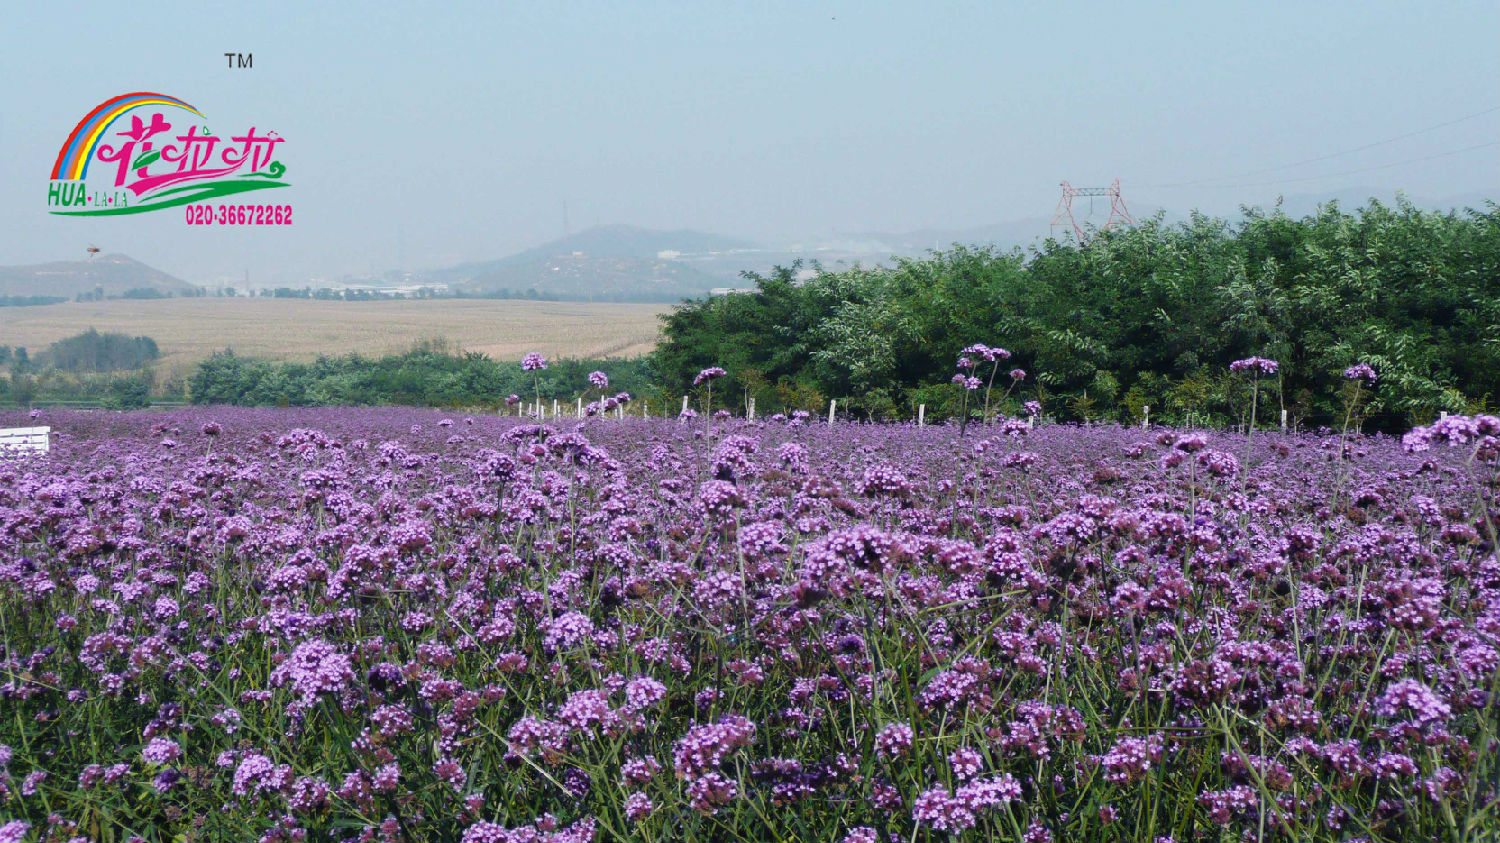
(982, 352)
(314, 667)
(697, 756)
(709, 374)
(955, 811)
(1456, 430)
(1258, 365)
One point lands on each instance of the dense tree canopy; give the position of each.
(92, 351)
(423, 377)
(1145, 316)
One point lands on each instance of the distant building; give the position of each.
(668, 255)
(401, 290)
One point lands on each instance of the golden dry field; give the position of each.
(188, 330)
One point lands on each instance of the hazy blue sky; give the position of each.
(428, 134)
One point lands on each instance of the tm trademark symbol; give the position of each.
(243, 60)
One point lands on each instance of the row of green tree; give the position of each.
(429, 375)
(91, 368)
(1147, 316)
(89, 351)
(92, 351)
(97, 294)
(29, 301)
(116, 391)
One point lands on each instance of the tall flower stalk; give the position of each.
(1360, 374)
(1016, 376)
(994, 356)
(708, 376)
(534, 362)
(1256, 366)
(967, 383)
(600, 381)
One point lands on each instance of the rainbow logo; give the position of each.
(73, 159)
(148, 167)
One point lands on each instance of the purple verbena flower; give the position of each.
(709, 374)
(1260, 365)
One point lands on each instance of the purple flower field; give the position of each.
(396, 625)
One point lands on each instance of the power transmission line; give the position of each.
(1330, 155)
(1447, 154)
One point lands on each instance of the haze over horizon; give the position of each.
(429, 137)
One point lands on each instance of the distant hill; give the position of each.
(604, 263)
(626, 263)
(114, 274)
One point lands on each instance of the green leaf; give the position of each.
(144, 159)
